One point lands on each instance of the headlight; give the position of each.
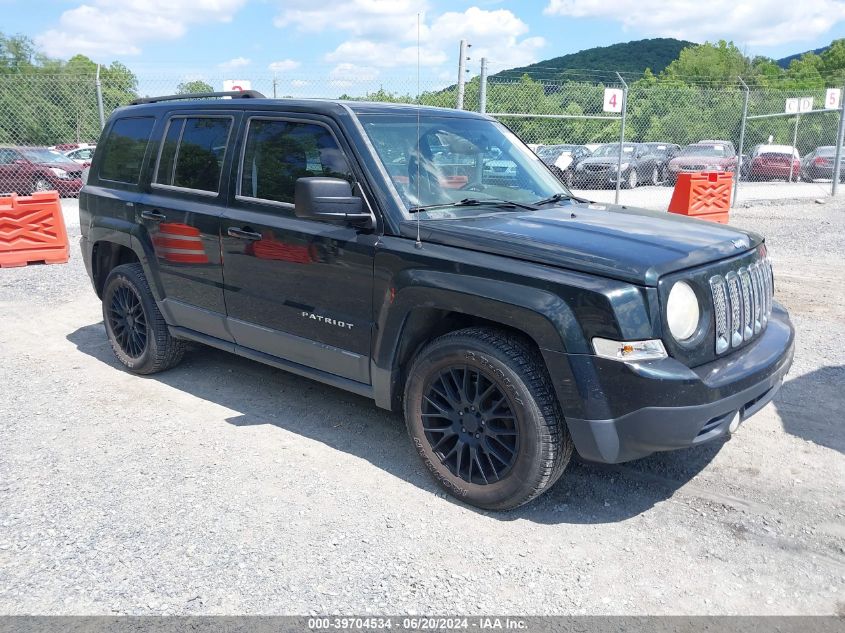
(624, 166)
(682, 311)
(60, 173)
(579, 167)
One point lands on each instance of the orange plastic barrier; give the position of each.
(32, 230)
(179, 243)
(704, 195)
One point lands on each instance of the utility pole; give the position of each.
(275, 83)
(482, 88)
(462, 72)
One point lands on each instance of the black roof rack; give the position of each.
(235, 94)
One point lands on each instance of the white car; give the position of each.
(81, 155)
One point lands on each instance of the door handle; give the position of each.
(155, 216)
(243, 234)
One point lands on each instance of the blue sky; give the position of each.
(342, 42)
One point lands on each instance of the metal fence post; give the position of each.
(482, 87)
(738, 174)
(99, 87)
(794, 143)
(839, 142)
(621, 138)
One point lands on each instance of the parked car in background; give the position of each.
(819, 164)
(24, 170)
(703, 156)
(664, 152)
(599, 169)
(562, 159)
(774, 162)
(81, 155)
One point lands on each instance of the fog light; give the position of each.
(734, 425)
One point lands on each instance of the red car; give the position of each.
(774, 162)
(24, 170)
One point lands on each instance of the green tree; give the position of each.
(45, 101)
(197, 85)
(716, 63)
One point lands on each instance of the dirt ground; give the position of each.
(229, 487)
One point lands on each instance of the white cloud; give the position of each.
(361, 18)
(386, 54)
(751, 22)
(232, 64)
(283, 65)
(346, 75)
(383, 33)
(104, 28)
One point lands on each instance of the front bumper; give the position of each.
(672, 406)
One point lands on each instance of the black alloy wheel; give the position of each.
(138, 333)
(128, 321)
(470, 425)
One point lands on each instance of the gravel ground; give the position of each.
(228, 487)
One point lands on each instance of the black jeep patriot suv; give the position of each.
(378, 249)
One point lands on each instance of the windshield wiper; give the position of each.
(473, 202)
(557, 198)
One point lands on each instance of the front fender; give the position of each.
(541, 315)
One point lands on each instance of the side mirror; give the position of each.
(329, 200)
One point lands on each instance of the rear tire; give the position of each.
(484, 418)
(135, 328)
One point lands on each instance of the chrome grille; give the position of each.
(742, 303)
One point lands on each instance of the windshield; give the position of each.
(440, 160)
(47, 156)
(612, 150)
(705, 150)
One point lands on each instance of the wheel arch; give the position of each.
(114, 242)
(431, 306)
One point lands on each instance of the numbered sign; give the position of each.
(792, 106)
(805, 104)
(831, 98)
(613, 98)
(236, 85)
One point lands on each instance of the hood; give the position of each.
(604, 160)
(71, 169)
(633, 245)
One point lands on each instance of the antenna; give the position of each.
(419, 243)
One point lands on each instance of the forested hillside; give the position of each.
(628, 57)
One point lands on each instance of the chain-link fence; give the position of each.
(49, 123)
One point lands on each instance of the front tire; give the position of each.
(135, 328)
(40, 184)
(484, 418)
(632, 180)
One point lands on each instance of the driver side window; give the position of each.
(278, 152)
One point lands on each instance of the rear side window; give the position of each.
(192, 153)
(279, 152)
(124, 149)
